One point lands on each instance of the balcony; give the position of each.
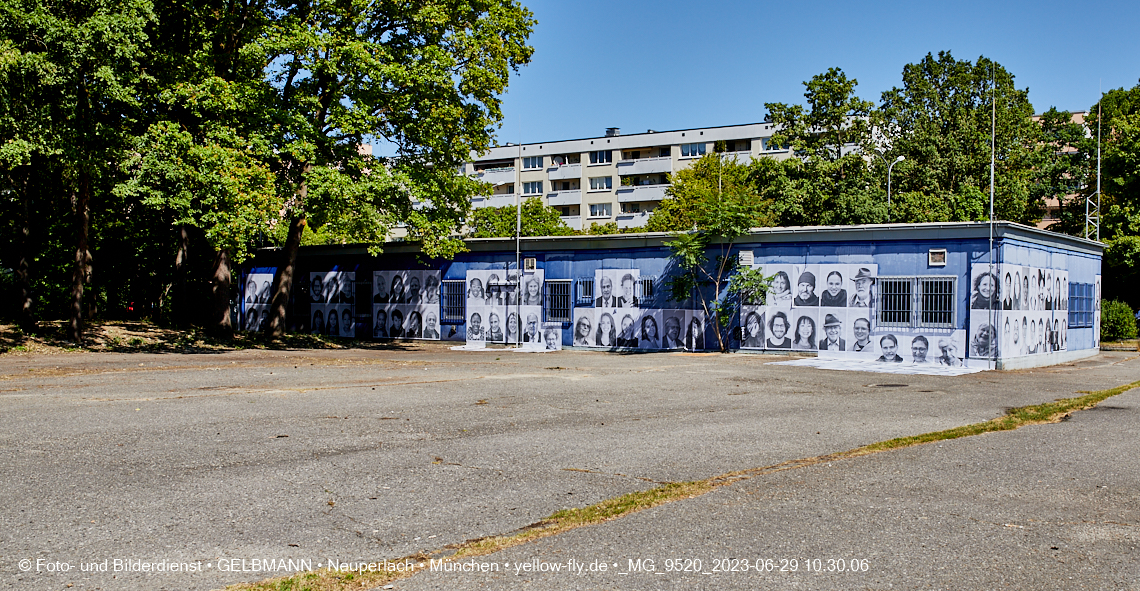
(493, 200)
(574, 221)
(632, 220)
(645, 166)
(564, 172)
(627, 194)
(573, 197)
(741, 157)
(497, 176)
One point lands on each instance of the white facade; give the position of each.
(613, 178)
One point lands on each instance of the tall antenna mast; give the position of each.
(1093, 217)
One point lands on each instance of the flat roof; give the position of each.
(633, 140)
(867, 232)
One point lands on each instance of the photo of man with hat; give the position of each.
(832, 327)
(805, 292)
(863, 298)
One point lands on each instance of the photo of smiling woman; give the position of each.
(780, 291)
(987, 295)
(583, 329)
(333, 323)
(805, 334)
(414, 325)
(318, 322)
(607, 334)
(380, 330)
(649, 336)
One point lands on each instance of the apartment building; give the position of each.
(610, 178)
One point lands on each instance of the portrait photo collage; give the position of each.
(331, 303)
(1016, 311)
(405, 304)
(615, 319)
(501, 310)
(255, 301)
(830, 309)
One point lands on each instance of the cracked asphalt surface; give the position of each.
(367, 454)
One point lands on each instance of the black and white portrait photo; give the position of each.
(672, 329)
(649, 336)
(805, 287)
(255, 303)
(583, 327)
(779, 329)
(986, 290)
(832, 339)
(752, 327)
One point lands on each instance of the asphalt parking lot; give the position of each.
(367, 454)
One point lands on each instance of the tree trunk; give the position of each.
(81, 199)
(23, 281)
(220, 321)
(181, 300)
(283, 278)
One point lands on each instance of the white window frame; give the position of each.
(532, 162)
(694, 150)
(609, 184)
(535, 185)
(608, 207)
(601, 157)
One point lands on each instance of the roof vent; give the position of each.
(613, 131)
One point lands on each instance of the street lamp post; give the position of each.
(892, 165)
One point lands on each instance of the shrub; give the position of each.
(1117, 321)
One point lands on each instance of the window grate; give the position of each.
(936, 308)
(896, 302)
(454, 300)
(585, 292)
(556, 300)
(647, 291)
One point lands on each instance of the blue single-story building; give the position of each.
(1003, 295)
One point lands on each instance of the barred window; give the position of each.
(556, 300)
(454, 299)
(896, 302)
(1081, 305)
(585, 292)
(936, 309)
(646, 291)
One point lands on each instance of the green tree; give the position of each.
(1065, 165)
(424, 76)
(83, 62)
(829, 181)
(719, 212)
(940, 120)
(708, 183)
(500, 222)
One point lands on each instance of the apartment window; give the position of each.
(534, 188)
(631, 208)
(556, 300)
(631, 155)
(602, 157)
(566, 210)
(663, 153)
(601, 183)
(454, 299)
(564, 159)
(692, 150)
(733, 146)
(936, 299)
(585, 292)
(1081, 299)
(601, 210)
(532, 162)
(895, 302)
(767, 146)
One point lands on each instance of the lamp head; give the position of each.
(900, 158)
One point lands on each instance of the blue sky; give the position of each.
(667, 64)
